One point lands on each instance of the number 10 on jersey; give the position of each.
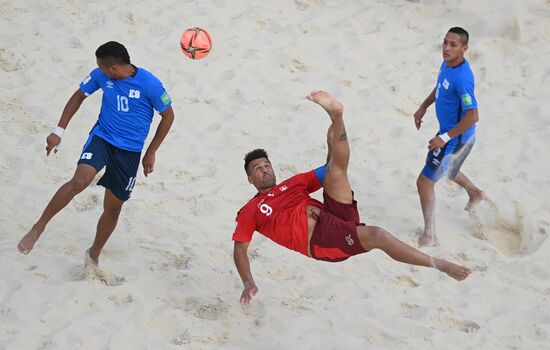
(122, 103)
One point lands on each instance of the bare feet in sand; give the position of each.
(427, 241)
(334, 108)
(458, 272)
(475, 198)
(26, 243)
(89, 261)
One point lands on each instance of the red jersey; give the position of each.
(280, 214)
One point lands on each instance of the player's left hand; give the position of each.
(418, 115)
(436, 143)
(249, 291)
(148, 163)
(52, 143)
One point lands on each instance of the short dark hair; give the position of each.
(255, 154)
(464, 36)
(113, 50)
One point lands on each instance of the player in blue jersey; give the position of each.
(130, 96)
(457, 114)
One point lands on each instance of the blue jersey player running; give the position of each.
(130, 96)
(456, 110)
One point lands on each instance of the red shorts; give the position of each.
(334, 238)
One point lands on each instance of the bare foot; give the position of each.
(334, 108)
(427, 241)
(458, 272)
(26, 243)
(89, 261)
(475, 198)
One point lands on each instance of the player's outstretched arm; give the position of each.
(53, 140)
(165, 124)
(240, 256)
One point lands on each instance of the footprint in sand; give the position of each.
(445, 318)
(182, 339)
(86, 202)
(299, 66)
(120, 299)
(11, 105)
(171, 261)
(175, 261)
(413, 311)
(466, 326)
(405, 281)
(490, 225)
(9, 62)
(206, 310)
(94, 273)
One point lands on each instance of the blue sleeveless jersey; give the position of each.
(126, 107)
(454, 96)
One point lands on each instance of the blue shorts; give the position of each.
(447, 159)
(121, 165)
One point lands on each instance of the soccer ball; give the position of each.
(195, 43)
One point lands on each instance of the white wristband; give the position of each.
(58, 131)
(445, 137)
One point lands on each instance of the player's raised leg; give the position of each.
(83, 176)
(106, 224)
(374, 237)
(336, 183)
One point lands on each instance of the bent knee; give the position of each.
(78, 184)
(372, 237)
(113, 211)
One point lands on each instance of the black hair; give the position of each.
(464, 36)
(255, 154)
(113, 50)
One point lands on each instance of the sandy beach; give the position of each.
(167, 278)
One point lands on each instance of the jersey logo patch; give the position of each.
(165, 98)
(446, 84)
(109, 84)
(133, 93)
(467, 100)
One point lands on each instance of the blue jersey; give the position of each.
(454, 95)
(126, 107)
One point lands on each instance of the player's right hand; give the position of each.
(52, 141)
(418, 115)
(249, 291)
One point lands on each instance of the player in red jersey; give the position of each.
(329, 231)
